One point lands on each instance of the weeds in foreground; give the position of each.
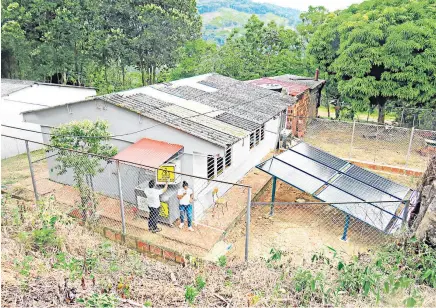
(394, 272)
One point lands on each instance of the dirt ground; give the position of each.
(297, 230)
(300, 230)
(390, 148)
(209, 230)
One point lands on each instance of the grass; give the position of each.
(360, 116)
(16, 169)
(72, 265)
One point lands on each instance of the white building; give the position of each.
(224, 125)
(23, 95)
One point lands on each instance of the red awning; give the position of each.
(149, 152)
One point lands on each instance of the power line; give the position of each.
(144, 129)
(121, 160)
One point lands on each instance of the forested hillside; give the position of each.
(374, 55)
(221, 17)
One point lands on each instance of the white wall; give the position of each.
(32, 98)
(194, 159)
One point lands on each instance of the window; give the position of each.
(210, 167)
(252, 139)
(257, 136)
(219, 165)
(228, 155)
(262, 132)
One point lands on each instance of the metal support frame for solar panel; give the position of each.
(335, 170)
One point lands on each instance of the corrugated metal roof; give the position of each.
(149, 152)
(185, 92)
(9, 86)
(293, 88)
(237, 121)
(307, 81)
(137, 104)
(213, 123)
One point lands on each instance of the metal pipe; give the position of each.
(352, 139)
(410, 146)
(347, 223)
(32, 174)
(273, 196)
(247, 224)
(120, 190)
(406, 213)
(127, 162)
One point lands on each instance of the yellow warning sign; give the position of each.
(166, 173)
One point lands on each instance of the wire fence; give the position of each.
(300, 229)
(379, 144)
(106, 192)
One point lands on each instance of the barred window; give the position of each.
(257, 136)
(252, 139)
(219, 165)
(210, 166)
(262, 132)
(228, 155)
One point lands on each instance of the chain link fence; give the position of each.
(300, 229)
(379, 144)
(109, 193)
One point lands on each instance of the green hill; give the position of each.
(222, 16)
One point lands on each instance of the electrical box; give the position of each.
(169, 172)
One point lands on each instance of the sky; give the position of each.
(303, 5)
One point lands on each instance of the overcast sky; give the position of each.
(304, 5)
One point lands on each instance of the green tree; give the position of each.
(196, 57)
(380, 50)
(262, 50)
(88, 137)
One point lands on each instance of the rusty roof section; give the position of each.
(292, 87)
(149, 152)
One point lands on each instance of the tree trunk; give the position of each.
(123, 73)
(64, 77)
(423, 216)
(141, 64)
(380, 102)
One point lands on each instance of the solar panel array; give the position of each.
(332, 179)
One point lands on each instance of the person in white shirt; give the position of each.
(154, 204)
(185, 196)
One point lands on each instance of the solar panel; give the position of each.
(291, 175)
(377, 181)
(307, 165)
(364, 192)
(310, 169)
(364, 211)
(319, 156)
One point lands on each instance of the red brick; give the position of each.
(169, 255)
(142, 246)
(110, 235)
(156, 250)
(410, 172)
(118, 237)
(386, 168)
(180, 259)
(397, 170)
(76, 213)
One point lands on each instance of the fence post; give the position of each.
(32, 175)
(273, 195)
(405, 214)
(247, 224)
(410, 145)
(352, 138)
(120, 190)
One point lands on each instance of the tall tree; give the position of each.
(380, 50)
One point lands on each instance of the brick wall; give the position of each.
(144, 246)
